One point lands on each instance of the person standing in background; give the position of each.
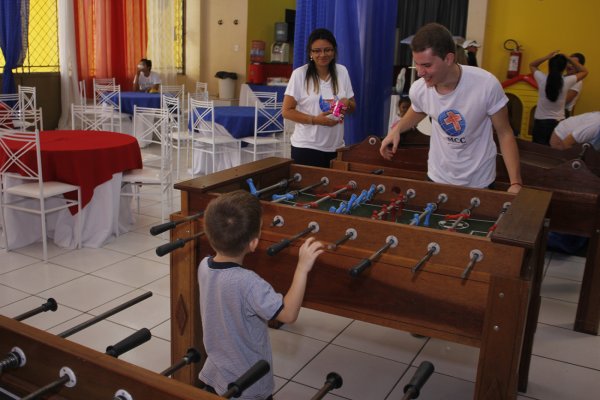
(575, 91)
(471, 46)
(552, 92)
(317, 97)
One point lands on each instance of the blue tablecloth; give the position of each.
(237, 120)
(280, 90)
(140, 99)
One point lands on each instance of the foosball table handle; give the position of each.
(169, 247)
(360, 267)
(277, 247)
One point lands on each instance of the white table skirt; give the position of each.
(98, 220)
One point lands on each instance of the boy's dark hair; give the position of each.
(231, 221)
(147, 62)
(580, 57)
(435, 37)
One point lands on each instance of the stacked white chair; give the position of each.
(202, 91)
(23, 188)
(177, 129)
(173, 91)
(30, 116)
(269, 137)
(158, 173)
(204, 141)
(268, 99)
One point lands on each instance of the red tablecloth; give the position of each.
(84, 158)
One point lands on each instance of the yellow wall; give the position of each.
(542, 26)
(262, 15)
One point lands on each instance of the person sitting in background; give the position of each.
(236, 303)
(584, 128)
(575, 91)
(471, 46)
(461, 55)
(145, 80)
(552, 92)
(403, 106)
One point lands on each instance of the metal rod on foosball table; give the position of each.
(104, 315)
(278, 198)
(49, 305)
(465, 213)
(67, 378)
(333, 381)
(15, 359)
(475, 257)
(314, 204)
(505, 208)
(192, 356)
(157, 229)
(432, 249)
(390, 241)
(350, 234)
(257, 371)
(281, 184)
(277, 247)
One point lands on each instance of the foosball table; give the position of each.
(471, 276)
(575, 206)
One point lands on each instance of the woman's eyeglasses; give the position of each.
(327, 50)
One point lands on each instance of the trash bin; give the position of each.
(226, 84)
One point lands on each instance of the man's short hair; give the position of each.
(435, 37)
(580, 57)
(232, 221)
(147, 62)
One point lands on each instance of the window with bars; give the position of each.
(42, 51)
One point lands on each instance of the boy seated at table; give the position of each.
(145, 80)
(583, 128)
(236, 303)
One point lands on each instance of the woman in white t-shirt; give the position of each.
(317, 97)
(552, 93)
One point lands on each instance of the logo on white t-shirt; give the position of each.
(452, 122)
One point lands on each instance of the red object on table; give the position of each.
(84, 158)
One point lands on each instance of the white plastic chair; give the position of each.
(82, 93)
(103, 82)
(268, 99)
(17, 146)
(159, 172)
(110, 96)
(177, 131)
(16, 120)
(202, 91)
(29, 118)
(92, 118)
(268, 136)
(204, 141)
(173, 91)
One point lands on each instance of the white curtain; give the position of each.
(68, 61)
(161, 38)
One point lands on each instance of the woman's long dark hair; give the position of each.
(311, 72)
(554, 82)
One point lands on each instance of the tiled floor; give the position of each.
(375, 362)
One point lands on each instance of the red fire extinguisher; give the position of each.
(514, 62)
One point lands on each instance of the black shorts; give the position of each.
(312, 157)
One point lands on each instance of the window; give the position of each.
(42, 49)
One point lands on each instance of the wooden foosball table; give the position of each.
(95, 376)
(575, 206)
(471, 277)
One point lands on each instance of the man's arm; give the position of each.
(508, 148)
(407, 122)
(557, 143)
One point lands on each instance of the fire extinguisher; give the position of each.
(514, 62)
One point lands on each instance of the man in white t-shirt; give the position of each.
(145, 80)
(584, 128)
(465, 104)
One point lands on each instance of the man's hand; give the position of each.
(386, 150)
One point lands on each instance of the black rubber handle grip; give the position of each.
(335, 380)
(419, 378)
(158, 229)
(255, 372)
(277, 247)
(130, 342)
(169, 247)
(360, 267)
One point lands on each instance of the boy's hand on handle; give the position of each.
(309, 251)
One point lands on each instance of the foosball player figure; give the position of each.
(236, 303)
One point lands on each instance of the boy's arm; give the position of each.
(292, 301)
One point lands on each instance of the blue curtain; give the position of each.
(14, 23)
(365, 32)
